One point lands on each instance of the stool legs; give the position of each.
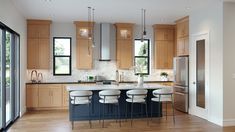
(131, 113)
(146, 109)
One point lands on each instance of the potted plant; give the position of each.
(164, 76)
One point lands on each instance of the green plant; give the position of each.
(164, 74)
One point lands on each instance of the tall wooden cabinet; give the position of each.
(84, 45)
(182, 26)
(124, 45)
(164, 46)
(38, 44)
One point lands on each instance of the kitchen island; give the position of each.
(81, 112)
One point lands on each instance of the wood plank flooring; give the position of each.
(57, 121)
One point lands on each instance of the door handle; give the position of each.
(195, 83)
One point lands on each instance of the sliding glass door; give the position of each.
(1, 114)
(9, 79)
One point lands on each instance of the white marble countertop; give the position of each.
(120, 86)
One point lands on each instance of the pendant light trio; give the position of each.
(91, 24)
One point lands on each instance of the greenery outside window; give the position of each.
(141, 59)
(61, 56)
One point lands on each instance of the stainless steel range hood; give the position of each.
(106, 30)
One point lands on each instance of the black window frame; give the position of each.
(58, 56)
(147, 57)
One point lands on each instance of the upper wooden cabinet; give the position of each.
(164, 46)
(182, 26)
(84, 45)
(124, 45)
(124, 31)
(38, 44)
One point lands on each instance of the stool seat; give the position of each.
(108, 101)
(136, 100)
(162, 99)
(79, 102)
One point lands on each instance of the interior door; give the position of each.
(199, 87)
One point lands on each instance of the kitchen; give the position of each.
(92, 68)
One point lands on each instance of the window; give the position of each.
(62, 56)
(141, 58)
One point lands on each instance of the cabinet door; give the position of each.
(125, 54)
(161, 54)
(84, 54)
(124, 33)
(32, 54)
(65, 97)
(32, 96)
(44, 54)
(44, 31)
(32, 31)
(180, 46)
(186, 46)
(160, 34)
(185, 28)
(44, 96)
(83, 32)
(169, 34)
(56, 96)
(170, 54)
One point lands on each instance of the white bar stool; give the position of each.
(110, 97)
(137, 97)
(163, 95)
(81, 97)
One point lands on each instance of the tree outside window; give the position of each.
(62, 55)
(141, 58)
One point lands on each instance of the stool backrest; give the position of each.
(110, 94)
(162, 91)
(81, 94)
(137, 93)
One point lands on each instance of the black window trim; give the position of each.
(148, 57)
(56, 56)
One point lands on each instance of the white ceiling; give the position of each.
(157, 11)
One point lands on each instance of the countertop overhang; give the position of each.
(119, 87)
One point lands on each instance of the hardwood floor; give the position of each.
(57, 121)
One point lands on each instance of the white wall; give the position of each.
(10, 16)
(104, 68)
(210, 18)
(229, 64)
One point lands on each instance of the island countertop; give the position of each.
(119, 87)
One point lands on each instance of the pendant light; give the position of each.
(143, 26)
(91, 12)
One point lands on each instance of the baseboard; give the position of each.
(229, 122)
(22, 111)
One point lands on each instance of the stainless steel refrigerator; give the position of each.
(181, 85)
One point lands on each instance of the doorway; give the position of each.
(199, 87)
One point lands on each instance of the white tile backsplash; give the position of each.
(101, 68)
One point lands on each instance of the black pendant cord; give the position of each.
(93, 27)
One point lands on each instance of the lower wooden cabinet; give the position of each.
(46, 96)
(31, 96)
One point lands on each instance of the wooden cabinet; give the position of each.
(38, 44)
(45, 96)
(124, 45)
(182, 26)
(84, 45)
(32, 96)
(50, 95)
(65, 97)
(164, 46)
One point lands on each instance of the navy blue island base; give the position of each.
(81, 112)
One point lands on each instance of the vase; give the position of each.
(140, 81)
